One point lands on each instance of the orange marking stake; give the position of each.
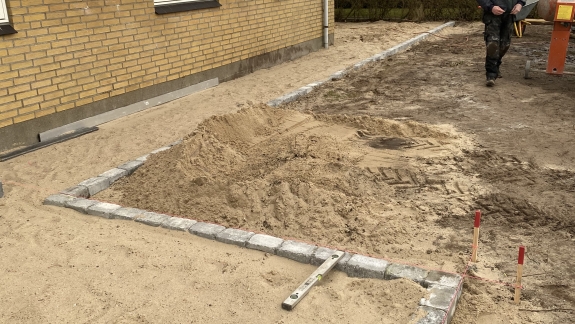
(475, 246)
(564, 14)
(520, 260)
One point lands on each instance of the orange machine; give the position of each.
(563, 18)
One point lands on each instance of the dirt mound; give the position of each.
(335, 180)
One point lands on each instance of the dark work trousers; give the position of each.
(497, 34)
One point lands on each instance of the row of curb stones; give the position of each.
(444, 288)
(292, 96)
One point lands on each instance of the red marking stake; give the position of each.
(476, 235)
(520, 260)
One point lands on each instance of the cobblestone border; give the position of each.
(292, 96)
(444, 288)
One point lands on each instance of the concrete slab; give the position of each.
(206, 230)
(103, 209)
(95, 184)
(264, 243)
(114, 174)
(127, 213)
(151, 218)
(366, 267)
(131, 166)
(396, 271)
(58, 200)
(297, 251)
(77, 191)
(178, 224)
(80, 204)
(234, 236)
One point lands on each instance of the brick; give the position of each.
(178, 224)
(442, 278)
(77, 191)
(234, 236)
(264, 243)
(103, 209)
(95, 184)
(366, 267)
(127, 213)
(297, 251)
(80, 204)
(114, 174)
(58, 200)
(206, 230)
(152, 219)
(131, 166)
(397, 271)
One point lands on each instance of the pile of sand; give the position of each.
(328, 179)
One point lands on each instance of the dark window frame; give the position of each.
(186, 6)
(5, 26)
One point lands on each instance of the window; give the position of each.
(5, 27)
(168, 6)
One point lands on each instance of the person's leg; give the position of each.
(505, 36)
(492, 41)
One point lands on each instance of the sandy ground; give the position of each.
(60, 266)
(522, 165)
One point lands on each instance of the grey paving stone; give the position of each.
(439, 297)
(264, 243)
(178, 224)
(234, 236)
(432, 315)
(206, 230)
(114, 174)
(320, 255)
(297, 251)
(143, 158)
(396, 271)
(161, 149)
(95, 184)
(1, 190)
(275, 102)
(342, 264)
(366, 267)
(127, 213)
(338, 75)
(131, 166)
(305, 90)
(77, 191)
(58, 200)
(152, 219)
(80, 204)
(103, 209)
(442, 278)
(175, 143)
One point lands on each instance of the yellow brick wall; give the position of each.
(71, 53)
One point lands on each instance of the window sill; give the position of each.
(7, 30)
(192, 5)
